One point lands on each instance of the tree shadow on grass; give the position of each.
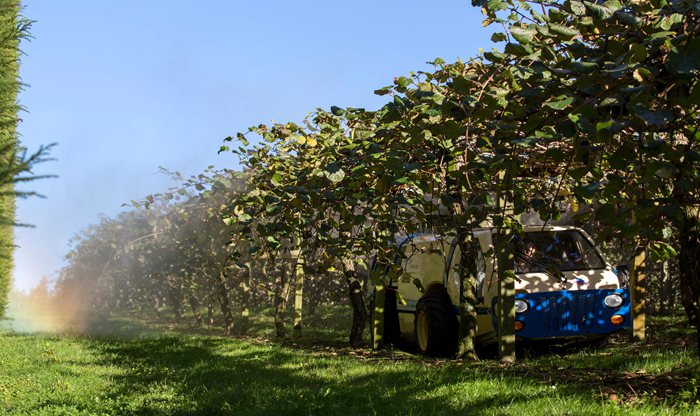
(260, 374)
(215, 375)
(209, 376)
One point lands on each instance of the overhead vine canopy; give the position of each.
(589, 102)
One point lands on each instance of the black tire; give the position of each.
(370, 309)
(435, 324)
(392, 333)
(596, 342)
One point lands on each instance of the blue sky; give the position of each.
(125, 87)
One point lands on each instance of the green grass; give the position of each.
(167, 372)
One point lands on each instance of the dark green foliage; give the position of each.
(12, 28)
(15, 163)
(175, 257)
(588, 103)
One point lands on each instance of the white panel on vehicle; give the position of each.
(425, 263)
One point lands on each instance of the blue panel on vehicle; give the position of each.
(571, 313)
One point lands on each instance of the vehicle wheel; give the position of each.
(392, 333)
(436, 324)
(370, 308)
(596, 343)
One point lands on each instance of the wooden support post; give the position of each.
(298, 295)
(506, 299)
(638, 288)
(245, 298)
(377, 316)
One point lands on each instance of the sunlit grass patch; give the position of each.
(150, 369)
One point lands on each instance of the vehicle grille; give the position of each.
(573, 312)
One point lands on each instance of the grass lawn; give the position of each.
(141, 370)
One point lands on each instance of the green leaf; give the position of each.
(661, 251)
(408, 167)
(276, 178)
(273, 209)
(685, 62)
(560, 102)
(606, 211)
(495, 56)
(244, 217)
(667, 233)
(578, 173)
(668, 21)
(419, 285)
(587, 191)
(555, 154)
(526, 142)
(498, 37)
(654, 118)
(694, 97)
(620, 159)
(598, 11)
(672, 210)
(523, 34)
(461, 85)
(584, 67)
(403, 82)
(613, 5)
(492, 5)
(334, 173)
(642, 74)
(666, 171)
(608, 101)
(577, 7)
(383, 91)
(241, 138)
(518, 49)
(638, 52)
(567, 128)
(628, 18)
(566, 31)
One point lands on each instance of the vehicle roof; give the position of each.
(431, 237)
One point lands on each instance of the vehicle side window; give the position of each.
(480, 273)
(424, 266)
(454, 271)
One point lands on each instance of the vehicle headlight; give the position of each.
(613, 300)
(521, 306)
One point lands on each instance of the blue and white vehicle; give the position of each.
(565, 290)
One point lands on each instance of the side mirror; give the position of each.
(623, 274)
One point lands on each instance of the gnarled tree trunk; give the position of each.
(244, 287)
(467, 302)
(298, 294)
(359, 309)
(282, 289)
(689, 264)
(225, 302)
(196, 312)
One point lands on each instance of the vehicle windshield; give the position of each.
(548, 251)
